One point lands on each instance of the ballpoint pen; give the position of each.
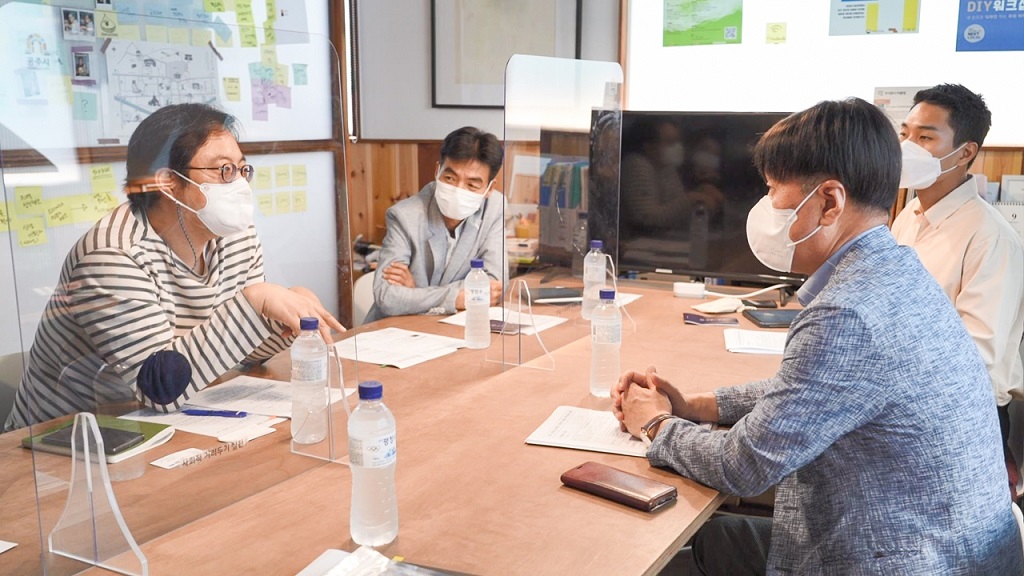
(224, 413)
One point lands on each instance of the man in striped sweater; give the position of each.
(169, 284)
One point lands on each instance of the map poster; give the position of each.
(858, 17)
(990, 25)
(700, 22)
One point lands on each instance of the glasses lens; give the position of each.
(247, 172)
(227, 172)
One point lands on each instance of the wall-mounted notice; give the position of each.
(896, 102)
(698, 22)
(987, 25)
(852, 17)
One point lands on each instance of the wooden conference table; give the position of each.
(472, 496)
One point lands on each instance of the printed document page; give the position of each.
(586, 429)
(397, 347)
(252, 395)
(754, 341)
(529, 325)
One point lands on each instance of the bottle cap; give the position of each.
(476, 263)
(371, 390)
(596, 244)
(607, 294)
(309, 324)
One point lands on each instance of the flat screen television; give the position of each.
(686, 182)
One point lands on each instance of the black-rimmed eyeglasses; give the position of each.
(228, 171)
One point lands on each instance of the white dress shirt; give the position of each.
(978, 259)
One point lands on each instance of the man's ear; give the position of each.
(834, 194)
(968, 153)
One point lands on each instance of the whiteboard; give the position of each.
(812, 66)
(297, 231)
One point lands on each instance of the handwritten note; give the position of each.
(28, 200)
(233, 89)
(179, 35)
(299, 71)
(775, 33)
(214, 5)
(247, 37)
(264, 178)
(57, 212)
(265, 202)
(282, 202)
(268, 55)
(269, 35)
(5, 218)
(102, 177)
(299, 201)
(201, 37)
(156, 33)
(282, 175)
(298, 174)
(85, 107)
(31, 231)
(281, 75)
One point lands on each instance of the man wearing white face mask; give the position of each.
(964, 242)
(166, 293)
(432, 236)
(879, 428)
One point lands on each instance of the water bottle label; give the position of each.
(478, 295)
(605, 334)
(376, 452)
(309, 370)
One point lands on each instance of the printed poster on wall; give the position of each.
(700, 22)
(990, 25)
(859, 17)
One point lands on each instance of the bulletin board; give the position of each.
(787, 60)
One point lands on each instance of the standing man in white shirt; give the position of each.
(962, 241)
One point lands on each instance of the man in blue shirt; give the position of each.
(879, 427)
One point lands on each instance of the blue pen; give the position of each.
(224, 413)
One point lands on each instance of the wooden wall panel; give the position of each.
(995, 163)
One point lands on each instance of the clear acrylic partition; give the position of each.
(75, 82)
(562, 138)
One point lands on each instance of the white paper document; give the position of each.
(621, 299)
(397, 347)
(586, 429)
(754, 341)
(204, 425)
(529, 325)
(252, 395)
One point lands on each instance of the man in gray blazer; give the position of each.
(880, 427)
(432, 236)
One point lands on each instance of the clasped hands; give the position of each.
(640, 396)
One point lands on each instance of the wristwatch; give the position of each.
(648, 430)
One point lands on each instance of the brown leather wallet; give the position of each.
(621, 486)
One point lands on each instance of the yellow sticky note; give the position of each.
(299, 201)
(244, 17)
(775, 33)
(247, 37)
(156, 33)
(281, 75)
(268, 55)
(201, 36)
(282, 175)
(102, 176)
(229, 5)
(28, 200)
(214, 5)
(282, 202)
(269, 35)
(103, 201)
(243, 6)
(58, 213)
(265, 202)
(106, 24)
(5, 218)
(129, 32)
(264, 178)
(233, 89)
(31, 231)
(179, 35)
(298, 174)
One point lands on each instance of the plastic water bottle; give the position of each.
(309, 384)
(594, 277)
(605, 341)
(372, 454)
(579, 243)
(477, 295)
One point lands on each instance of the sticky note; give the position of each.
(156, 33)
(260, 113)
(247, 37)
(281, 75)
(299, 201)
(299, 72)
(282, 175)
(775, 33)
(282, 202)
(268, 55)
(298, 174)
(269, 35)
(5, 218)
(179, 35)
(102, 176)
(83, 106)
(264, 178)
(243, 6)
(31, 231)
(129, 32)
(233, 89)
(58, 213)
(106, 25)
(201, 37)
(245, 17)
(214, 6)
(265, 202)
(28, 200)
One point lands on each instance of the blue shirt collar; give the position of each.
(815, 282)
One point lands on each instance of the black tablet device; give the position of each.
(771, 318)
(115, 441)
